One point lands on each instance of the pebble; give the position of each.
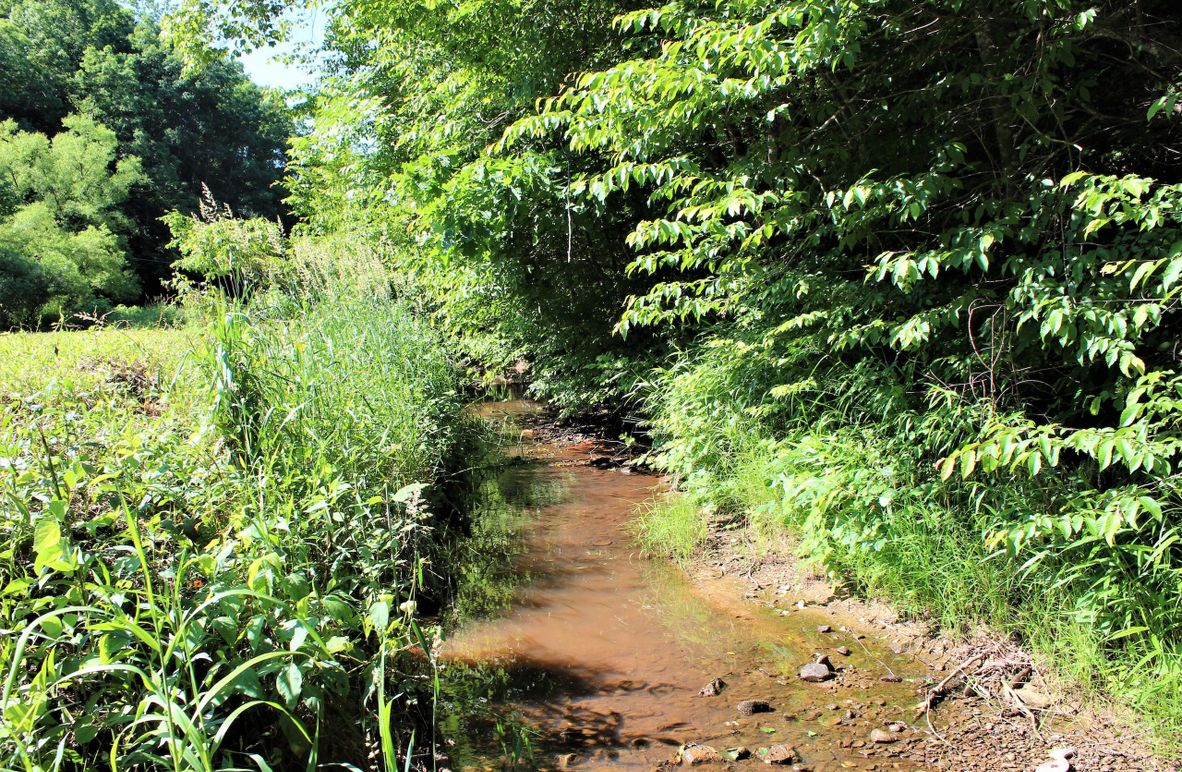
(815, 672)
(699, 754)
(780, 754)
(881, 736)
(891, 679)
(824, 629)
(749, 707)
(1060, 761)
(843, 650)
(713, 688)
(1058, 765)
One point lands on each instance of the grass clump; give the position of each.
(672, 526)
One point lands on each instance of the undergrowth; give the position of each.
(218, 541)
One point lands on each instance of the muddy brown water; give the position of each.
(601, 653)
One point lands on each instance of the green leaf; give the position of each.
(1127, 632)
(1155, 108)
(47, 543)
(290, 682)
(379, 616)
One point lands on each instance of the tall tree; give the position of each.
(42, 43)
(189, 126)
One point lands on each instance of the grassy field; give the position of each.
(83, 359)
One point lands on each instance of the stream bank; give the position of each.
(582, 653)
(998, 708)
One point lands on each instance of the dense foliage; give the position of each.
(936, 245)
(513, 265)
(62, 61)
(60, 220)
(953, 226)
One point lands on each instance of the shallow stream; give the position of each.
(578, 651)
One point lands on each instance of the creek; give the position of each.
(569, 648)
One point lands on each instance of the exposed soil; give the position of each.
(996, 708)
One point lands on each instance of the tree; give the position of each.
(42, 43)
(60, 220)
(191, 128)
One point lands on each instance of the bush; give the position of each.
(24, 289)
(847, 463)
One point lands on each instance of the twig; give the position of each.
(938, 690)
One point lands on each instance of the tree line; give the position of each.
(104, 128)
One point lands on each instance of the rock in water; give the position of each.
(815, 672)
(749, 707)
(780, 754)
(713, 689)
(882, 736)
(699, 754)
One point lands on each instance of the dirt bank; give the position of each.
(984, 702)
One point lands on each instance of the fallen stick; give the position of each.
(938, 689)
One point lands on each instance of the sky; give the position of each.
(307, 31)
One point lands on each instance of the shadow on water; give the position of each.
(488, 566)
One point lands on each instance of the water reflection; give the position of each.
(489, 566)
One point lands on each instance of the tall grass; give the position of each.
(222, 569)
(672, 526)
